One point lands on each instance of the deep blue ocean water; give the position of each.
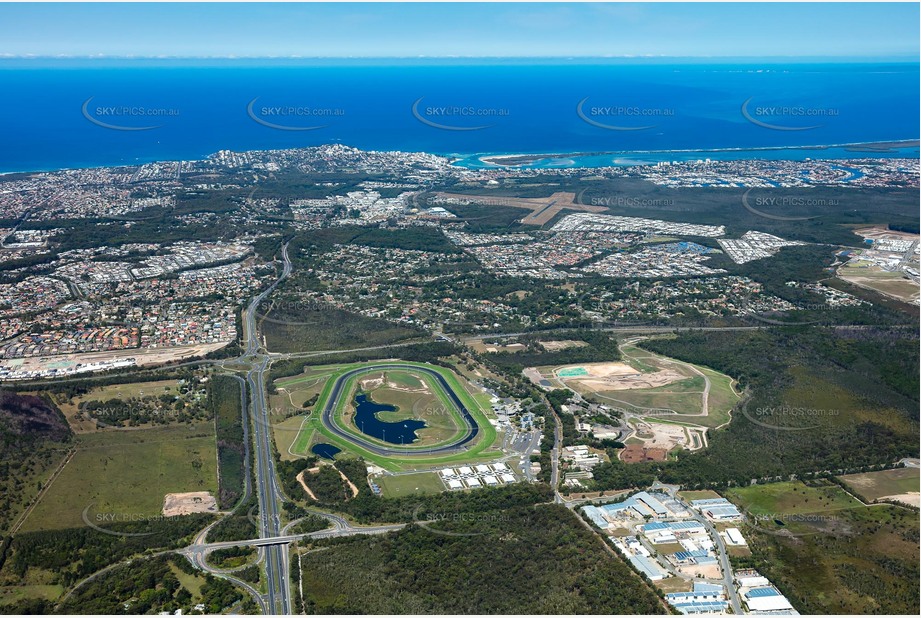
(523, 109)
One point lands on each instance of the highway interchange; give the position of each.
(278, 597)
(273, 540)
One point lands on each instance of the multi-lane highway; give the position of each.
(277, 597)
(328, 419)
(273, 540)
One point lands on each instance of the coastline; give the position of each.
(522, 160)
(881, 146)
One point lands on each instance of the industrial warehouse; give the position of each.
(674, 541)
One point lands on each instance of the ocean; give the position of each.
(65, 115)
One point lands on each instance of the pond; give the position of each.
(327, 451)
(399, 432)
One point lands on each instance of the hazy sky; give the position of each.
(417, 29)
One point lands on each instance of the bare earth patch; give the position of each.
(710, 571)
(912, 498)
(188, 503)
(424, 389)
(300, 479)
(143, 357)
(371, 382)
(556, 346)
(666, 437)
(618, 376)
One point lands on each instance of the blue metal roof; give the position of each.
(755, 593)
(656, 525)
(705, 560)
(699, 607)
(697, 553)
(684, 525)
(595, 515)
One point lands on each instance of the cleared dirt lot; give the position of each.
(143, 357)
(899, 484)
(661, 436)
(556, 346)
(881, 231)
(614, 376)
(188, 503)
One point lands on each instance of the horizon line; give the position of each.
(7, 56)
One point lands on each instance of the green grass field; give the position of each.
(313, 431)
(190, 582)
(404, 379)
(128, 473)
(71, 406)
(407, 484)
(285, 413)
(294, 391)
(875, 485)
(286, 432)
(633, 356)
(14, 594)
(830, 554)
(791, 498)
(684, 396)
(870, 276)
(667, 397)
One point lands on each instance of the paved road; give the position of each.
(202, 548)
(402, 344)
(278, 597)
(723, 554)
(623, 329)
(328, 418)
(555, 452)
(679, 329)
